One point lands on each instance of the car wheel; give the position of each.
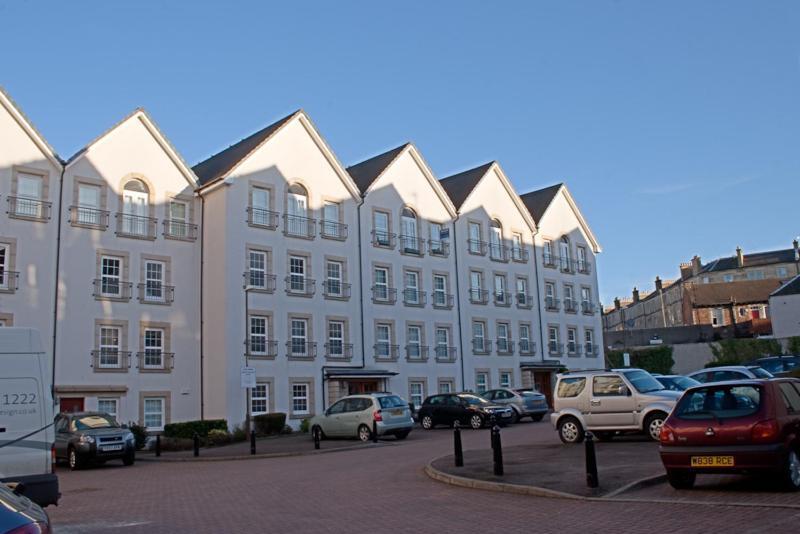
(792, 471)
(537, 418)
(364, 433)
(128, 459)
(570, 430)
(653, 424)
(476, 422)
(402, 435)
(680, 478)
(74, 459)
(427, 422)
(515, 417)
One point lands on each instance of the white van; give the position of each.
(26, 415)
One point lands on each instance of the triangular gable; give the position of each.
(30, 130)
(562, 189)
(142, 116)
(238, 153)
(370, 172)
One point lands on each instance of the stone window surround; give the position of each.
(392, 334)
(309, 319)
(255, 184)
(486, 371)
(419, 380)
(446, 380)
(573, 327)
(303, 254)
(270, 381)
(420, 285)
(388, 213)
(125, 271)
(486, 337)
(345, 328)
(418, 224)
(78, 181)
(309, 381)
(167, 261)
(190, 215)
(345, 271)
(332, 200)
(470, 222)
(11, 261)
(122, 326)
(16, 170)
(268, 268)
(510, 372)
(302, 183)
(256, 312)
(509, 339)
(151, 208)
(422, 336)
(166, 395)
(165, 348)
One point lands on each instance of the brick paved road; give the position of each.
(364, 490)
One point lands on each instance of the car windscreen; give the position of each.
(684, 382)
(760, 372)
(643, 381)
(392, 401)
(473, 400)
(724, 401)
(89, 422)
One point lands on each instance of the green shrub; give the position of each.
(176, 444)
(654, 360)
(139, 434)
(269, 423)
(187, 429)
(739, 351)
(304, 425)
(217, 437)
(239, 433)
(794, 346)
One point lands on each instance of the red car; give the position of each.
(745, 426)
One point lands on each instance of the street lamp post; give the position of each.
(248, 415)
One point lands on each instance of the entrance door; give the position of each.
(72, 404)
(360, 387)
(542, 380)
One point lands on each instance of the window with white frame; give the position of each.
(572, 340)
(408, 231)
(476, 286)
(569, 300)
(88, 209)
(300, 404)
(414, 341)
(506, 379)
(5, 260)
(411, 293)
(331, 223)
(259, 327)
(297, 274)
(550, 295)
(437, 239)
(755, 275)
(299, 337)
(445, 386)
(717, 317)
(336, 338)
(416, 391)
(259, 398)
(257, 269)
(500, 289)
(553, 340)
(154, 414)
(548, 253)
(582, 263)
(381, 275)
(442, 342)
(727, 278)
(153, 348)
(481, 382)
(781, 272)
(382, 232)
(29, 196)
(516, 246)
(260, 201)
(109, 406)
(177, 224)
(383, 340)
(154, 281)
(333, 278)
(525, 338)
(588, 340)
(110, 276)
(439, 290)
(496, 240)
(109, 347)
(475, 238)
(566, 256)
(503, 344)
(586, 299)
(479, 336)
(522, 291)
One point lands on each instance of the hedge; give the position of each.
(269, 423)
(654, 360)
(739, 351)
(187, 429)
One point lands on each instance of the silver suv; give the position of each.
(610, 401)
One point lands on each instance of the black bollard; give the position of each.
(459, 453)
(252, 442)
(158, 445)
(196, 444)
(316, 437)
(498, 451)
(591, 462)
(374, 431)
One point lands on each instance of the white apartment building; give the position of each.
(155, 283)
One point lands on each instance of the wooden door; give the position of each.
(71, 404)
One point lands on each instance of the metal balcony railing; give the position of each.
(297, 226)
(29, 208)
(385, 351)
(565, 264)
(478, 296)
(414, 297)
(526, 347)
(475, 246)
(445, 353)
(442, 300)
(177, 229)
(587, 307)
(111, 360)
(481, 345)
(88, 217)
(551, 303)
(333, 230)
(498, 252)
(136, 226)
(156, 293)
(524, 301)
(570, 306)
(519, 255)
(335, 289)
(502, 298)
(439, 249)
(259, 281)
(112, 288)
(590, 350)
(549, 260)
(261, 347)
(412, 245)
(300, 286)
(9, 281)
(337, 350)
(418, 353)
(583, 266)
(301, 349)
(262, 218)
(555, 348)
(384, 295)
(573, 348)
(504, 346)
(383, 239)
(155, 360)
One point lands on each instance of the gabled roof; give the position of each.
(27, 126)
(221, 163)
(792, 287)
(366, 172)
(722, 293)
(750, 260)
(539, 201)
(149, 124)
(459, 186)
(369, 172)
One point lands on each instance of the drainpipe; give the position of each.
(538, 296)
(202, 308)
(55, 289)
(458, 302)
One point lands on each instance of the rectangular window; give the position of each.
(154, 281)
(525, 338)
(153, 348)
(755, 275)
(503, 344)
(299, 337)
(553, 340)
(475, 280)
(110, 276)
(586, 299)
(382, 232)
(569, 301)
(177, 224)
(416, 393)
(300, 399)
(588, 340)
(500, 296)
(411, 293)
(516, 247)
(479, 336)
(717, 317)
(440, 290)
(445, 386)
(154, 413)
(572, 340)
(383, 340)
(481, 383)
(259, 398)
(257, 263)
(336, 338)
(583, 266)
(413, 341)
(505, 379)
(496, 242)
(29, 196)
(331, 224)
(437, 242)
(109, 347)
(260, 202)
(727, 278)
(381, 283)
(522, 292)
(297, 274)
(442, 342)
(475, 238)
(5, 259)
(549, 260)
(259, 326)
(109, 406)
(334, 278)
(88, 205)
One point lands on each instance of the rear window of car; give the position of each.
(719, 402)
(760, 373)
(791, 396)
(392, 401)
(571, 387)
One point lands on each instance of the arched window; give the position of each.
(408, 231)
(297, 222)
(496, 240)
(135, 200)
(566, 256)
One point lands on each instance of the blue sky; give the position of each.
(676, 125)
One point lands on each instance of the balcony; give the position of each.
(155, 361)
(505, 346)
(439, 249)
(570, 306)
(156, 293)
(262, 218)
(385, 352)
(416, 353)
(590, 350)
(333, 230)
(583, 267)
(526, 347)
(573, 349)
(565, 264)
(383, 239)
(524, 301)
(297, 226)
(261, 349)
(549, 260)
(384, 295)
(445, 353)
(555, 349)
(502, 299)
(519, 255)
(301, 349)
(180, 230)
(442, 301)
(88, 217)
(9, 281)
(413, 297)
(299, 286)
(551, 304)
(29, 208)
(136, 226)
(412, 245)
(259, 281)
(498, 252)
(481, 345)
(477, 247)
(338, 351)
(112, 289)
(587, 307)
(478, 296)
(336, 290)
(110, 361)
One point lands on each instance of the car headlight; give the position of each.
(86, 439)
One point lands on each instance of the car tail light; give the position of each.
(765, 430)
(667, 434)
(32, 528)
(376, 416)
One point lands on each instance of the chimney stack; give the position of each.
(617, 304)
(686, 270)
(796, 246)
(696, 265)
(635, 295)
(658, 284)
(739, 257)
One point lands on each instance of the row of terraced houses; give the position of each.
(153, 283)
